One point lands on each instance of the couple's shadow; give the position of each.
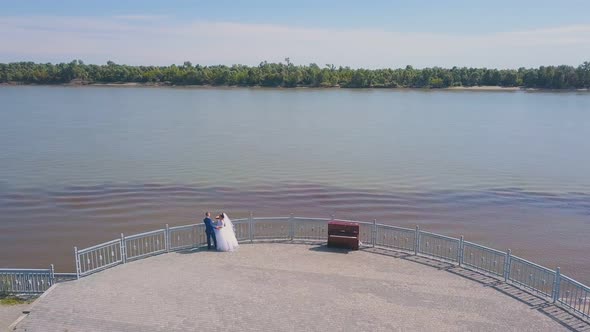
(316, 246)
(194, 250)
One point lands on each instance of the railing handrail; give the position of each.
(355, 221)
(577, 283)
(396, 228)
(541, 267)
(100, 245)
(440, 236)
(136, 236)
(479, 246)
(311, 218)
(174, 228)
(23, 270)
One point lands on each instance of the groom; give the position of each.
(209, 230)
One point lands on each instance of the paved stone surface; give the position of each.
(280, 287)
(9, 313)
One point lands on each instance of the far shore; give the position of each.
(167, 85)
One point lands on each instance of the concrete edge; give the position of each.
(49, 290)
(12, 326)
(26, 312)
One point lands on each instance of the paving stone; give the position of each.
(280, 287)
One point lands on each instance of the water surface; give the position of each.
(81, 165)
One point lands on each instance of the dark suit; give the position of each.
(210, 231)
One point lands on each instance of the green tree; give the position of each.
(289, 75)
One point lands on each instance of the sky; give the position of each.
(369, 34)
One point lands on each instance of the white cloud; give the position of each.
(140, 39)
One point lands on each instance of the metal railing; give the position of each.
(271, 229)
(309, 228)
(574, 296)
(558, 288)
(438, 246)
(395, 237)
(242, 229)
(532, 276)
(99, 257)
(483, 259)
(184, 237)
(145, 244)
(26, 281)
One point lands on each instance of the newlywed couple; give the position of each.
(221, 232)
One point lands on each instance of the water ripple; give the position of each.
(83, 214)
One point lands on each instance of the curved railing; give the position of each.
(520, 272)
(545, 282)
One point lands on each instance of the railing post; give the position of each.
(374, 235)
(123, 250)
(167, 238)
(77, 262)
(507, 265)
(251, 227)
(51, 275)
(417, 240)
(556, 285)
(461, 250)
(291, 227)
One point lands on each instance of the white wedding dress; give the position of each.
(226, 235)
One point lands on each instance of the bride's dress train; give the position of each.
(226, 236)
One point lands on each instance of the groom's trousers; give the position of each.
(211, 235)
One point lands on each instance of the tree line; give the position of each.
(290, 75)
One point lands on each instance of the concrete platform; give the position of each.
(10, 313)
(282, 287)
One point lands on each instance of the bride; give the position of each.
(225, 234)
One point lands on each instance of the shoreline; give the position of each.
(164, 85)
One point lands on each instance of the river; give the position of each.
(80, 165)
